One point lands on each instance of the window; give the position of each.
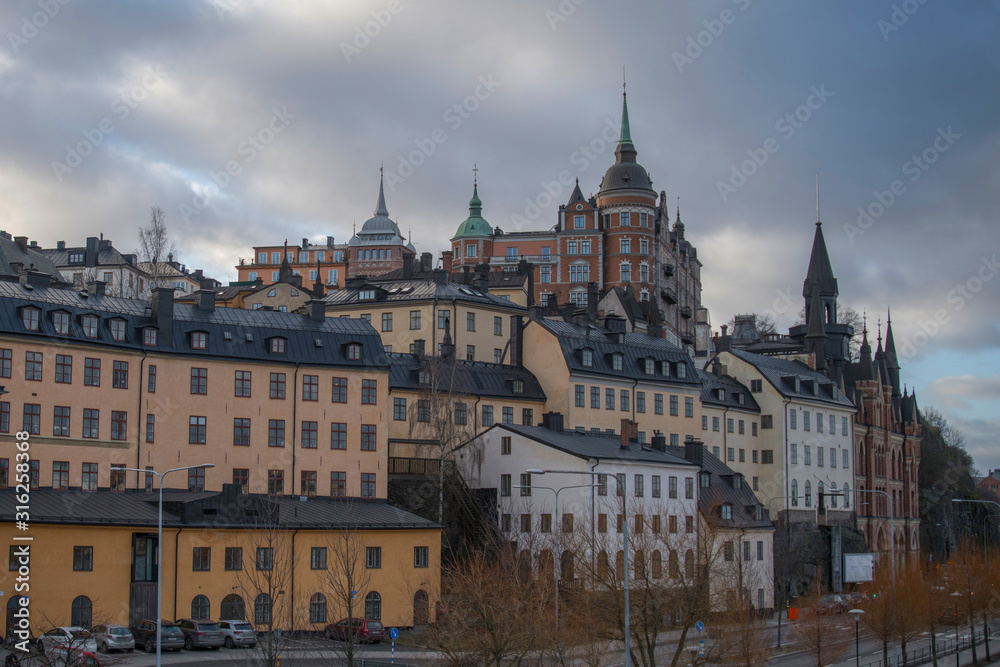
(4, 416)
(671, 487)
(767, 456)
(808, 493)
(525, 523)
(150, 427)
(368, 437)
(199, 340)
(742, 427)
(656, 485)
(5, 362)
(421, 557)
(276, 433)
(845, 461)
(794, 454)
(277, 389)
(819, 455)
(673, 406)
(278, 345)
(265, 558)
(746, 551)
(602, 484)
(367, 485)
(715, 424)
(487, 419)
(201, 559)
(60, 421)
(640, 401)
(197, 427)
(81, 612)
(729, 425)
(508, 414)
(196, 479)
(91, 423)
(339, 394)
(689, 407)
(595, 397)
(843, 427)
(545, 523)
(805, 419)
(308, 484)
(373, 606)
(567, 522)
(338, 484)
(83, 559)
(461, 413)
(584, 247)
(609, 398)
(310, 434)
(151, 383)
(29, 317)
(470, 352)
(833, 425)
(626, 271)
(623, 400)
(505, 485)
(234, 559)
(149, 336)
(241, 478)
(33, 366)
(64, 369)
(369, 392)
(199, 380)
(60, 475)
(819, 422)
(119, 425)
(317, 603)
(444, 318)
(118, 330)
(275, 483)
(579, 273)
(354, 351)
(726, 512)
(807, 453)
(639, 487)
(399, 409)
(658, 404)
(579, 396)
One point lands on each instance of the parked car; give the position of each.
(68, 638)
(144, 633)
(238, 633)
(111, 637)
(831, 604)
(200, 634)
(364, 630)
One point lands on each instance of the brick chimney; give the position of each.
(630, 432)
(446, 260)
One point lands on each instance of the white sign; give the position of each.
(858, 567)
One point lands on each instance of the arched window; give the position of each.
(317, 608)
(82, 612)
(233, 608)
(689, 564)
(795, 493)
(545, 564)
(673, 566)
(847, 496)
(833, 498)
(657, 564)
(602, 566)
(13, 605)
(566, 566)
(262, 609)
(373, 606)
(620, 564)
(640, 565)
(421, 608)
(809, 494)
(200, 608)
(820, 490)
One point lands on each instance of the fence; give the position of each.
(922, 656)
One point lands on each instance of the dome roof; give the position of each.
(380, 223)
(475, 224)
(625, 173)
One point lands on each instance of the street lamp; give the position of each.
(557, 568)
(857, 635)
(620, 486)
(956, 595)
(159, 548)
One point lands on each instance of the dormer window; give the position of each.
(76, 258)
(424, 377)
(726, 512)
(294, 292)
(650, 366)
(665, 369)
(272, 292)
(30, 318)
(740, 398)
(705, 479)
(587, 357)
(149, 336)
(366, 295)
(681, 370)
(737, 481)
(616, 362)
(354, 352)
(278, 345)
(720, 394)
(518, 386)
(60, 320)
(89, 324)
(118, 329)
(199, 340)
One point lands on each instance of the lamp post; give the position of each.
(557, 566)
(159, 548)
(857, 635)
(956, 595)
(620, 486)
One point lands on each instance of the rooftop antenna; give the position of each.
(624, 92)
(817, 198)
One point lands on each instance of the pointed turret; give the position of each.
(883, 370)
(380, 209)
(815, 332)
(866, 370)
(285, 272)
(475, 225)
(820, 272)
(626, 135)
(577, 195)
(891, 360)
(625, 173)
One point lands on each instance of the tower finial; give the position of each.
(626, 136)
(817, 199)
(678, 208)
(864, 320)
(879, 322)
(475, 175)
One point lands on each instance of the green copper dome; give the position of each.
(475, 224)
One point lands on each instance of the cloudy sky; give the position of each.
(252, 121)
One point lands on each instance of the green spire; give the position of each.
(626, 135)
(475, 204)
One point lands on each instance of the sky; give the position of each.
(253, 121)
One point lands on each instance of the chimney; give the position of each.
(659, 442)
(90, 254)
(16, 268)
(447, 259)
(426, 261)
(22, 243)
(163, 314)
(418, 347)
(716, 367)
(694, 451)
(329, 242)
(580, 317)
(516, 340)
(305, 243)
(553, 421)
(482, 283)
(725, 328)
(205, 298)
(104, 244)
(60, 245)
(466, 273)
(317, 309)
(35, 278)
(97, 287)
(407, 265)
(593, 296)
(440, 276)
(630, 432)
(447, 346)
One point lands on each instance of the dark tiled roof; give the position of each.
(781, 374)
(634, 348)
(418, 289)
(31, 258)
(720, 491)
(106, 256)
(105, 507)
(301, 332)
(472, 378)
(711, 383)
(593, 445)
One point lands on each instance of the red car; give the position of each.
(364, 630)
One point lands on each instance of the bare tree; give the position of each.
(349, 578)
(880, 610)
(824, 638)
(155, 246)
(911, 594)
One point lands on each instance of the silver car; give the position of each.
(200, 634)
(110, 637)
(67, 638)
(238, 633)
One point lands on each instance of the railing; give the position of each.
(922, 656)
(514, 259)
(407, 466)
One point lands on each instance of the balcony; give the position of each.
(668, 295)
(668, 270)
(686, 312)
(687, 337)
(514, 259)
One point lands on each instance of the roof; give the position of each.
(380, 228)
(721, 491)
(475, 225)
(782, 373)
(232, 332)
(593, 445)
(634, 348)
(417, 289)
(625, 173)
(219, 509)
(732, 390)
(820, 271)
(29, 258)
(105, 255)
(473, 378)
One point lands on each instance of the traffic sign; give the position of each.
(699, 626)
(393, 633)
